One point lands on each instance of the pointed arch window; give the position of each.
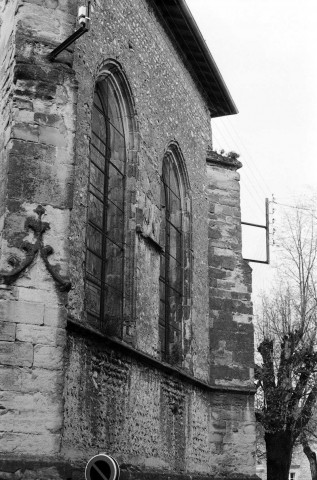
(171, 263)
(105, 229)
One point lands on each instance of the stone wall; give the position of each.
(68, 392)
(37, 165)
(166, 108)
(150, 418)
(230, 307)
(7, 64)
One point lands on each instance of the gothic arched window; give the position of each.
(171, 262)
(105, 229)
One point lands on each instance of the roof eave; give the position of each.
(176, 13)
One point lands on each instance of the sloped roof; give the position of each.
(181, 25)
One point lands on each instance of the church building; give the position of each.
(125, 303)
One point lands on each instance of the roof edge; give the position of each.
(202, 43)
(183, 29)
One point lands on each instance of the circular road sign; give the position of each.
(102, 467)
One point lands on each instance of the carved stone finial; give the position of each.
(32, 249)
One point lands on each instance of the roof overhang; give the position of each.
(181, 25)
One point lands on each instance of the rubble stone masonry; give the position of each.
(68, 391)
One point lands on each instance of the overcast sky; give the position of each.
(266, 51)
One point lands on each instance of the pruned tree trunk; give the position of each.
(311, 458)
(279, 449)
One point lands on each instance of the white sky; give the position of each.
(266, 51)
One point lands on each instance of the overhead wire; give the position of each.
(225, 129)
(226, 123)
(310, 210)
(245, 184)
(249, 203)
(246, 164)
(260, 249)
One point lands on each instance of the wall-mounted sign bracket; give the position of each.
(84, 22)
(267, 229)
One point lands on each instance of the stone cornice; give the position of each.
(231, 163)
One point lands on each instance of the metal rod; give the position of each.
(256, 261)
(253, 225)
(267, 218)
(51, 56)
(83, 29)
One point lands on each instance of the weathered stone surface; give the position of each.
(231, 345)
(16, 353)
(22, 312)
(48, 357)
(17, 413)
(31, 444)
(33, 380)
(40, 335)
(7, 331)
(55, 317)
(152, 409)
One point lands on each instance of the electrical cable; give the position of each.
(245, 185)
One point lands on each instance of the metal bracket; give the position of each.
(85, 26)
(267, 228)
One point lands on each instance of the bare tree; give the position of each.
(287, 331)
(311, 456)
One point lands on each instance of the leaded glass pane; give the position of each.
(112, 306)
(97, 101)
(175, 241)
(173, 182)
(99, 125)
(94, 240)
(174, 274)
(97, 179)
(175, 345)
(93, 298)
(113, 265)
(175, 309)
(117, 147)
(162, 291)
(98, 144)
(115, 224)
(97, 157)
(114, 112)
(95, 210)
(93, 265)
(163, 221)
(115, 186)
(175, 210)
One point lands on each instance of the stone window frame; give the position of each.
(112, 71)
(177, 353)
